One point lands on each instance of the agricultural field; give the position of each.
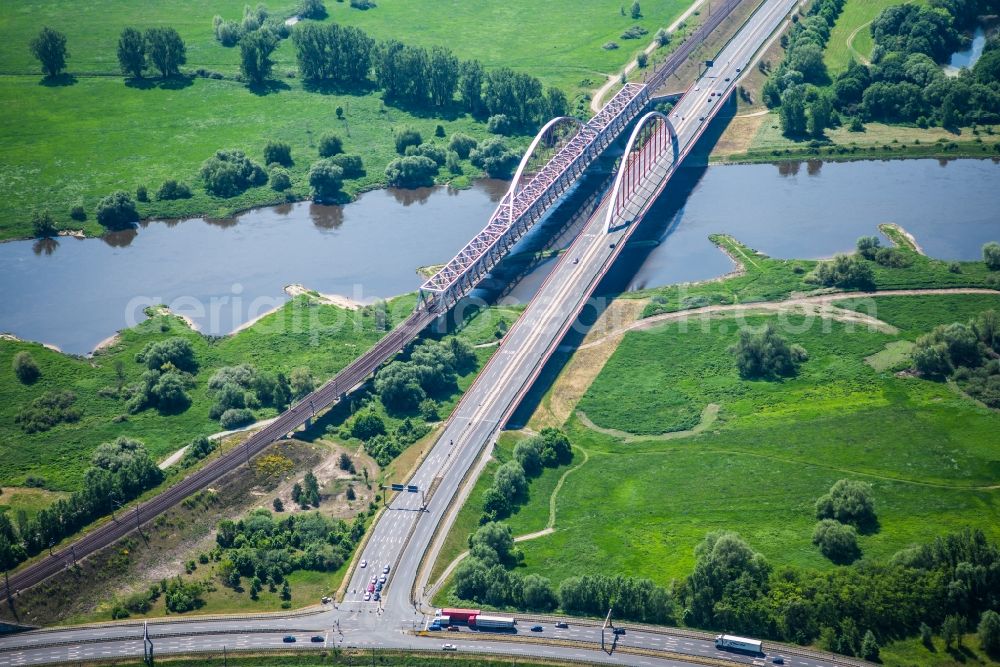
(72, 143)
(773, 450)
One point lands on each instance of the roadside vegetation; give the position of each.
(239, 78)
(351, 657)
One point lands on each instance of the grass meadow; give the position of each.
(639, 509)
(850, 36)
(72, 144)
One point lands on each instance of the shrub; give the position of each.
(845, 271)
(367, 425)
(662, 37)
(609, 46)
(407, 137)
(868, 246)
(345, 463)
(325, 177)
(499, 124)
(47, 411)
(42, 225)
(453, 163)
(991, 255)
(642, 59)
(141, 193)
(176, 351)
(766, 355)
(433, 152)
(25, 367)
(893, 258)
(462, 144)
(411, 172)
(171, 189)
(351, 164)
(635, 32)
(228, 173)
(117, 210)
(278, 505)
(278, 151)
(363, 4)
(236, 417)
(439, 131)
(837, 541)
(330, 144)
(280, 180)
(954, 267)
(312, 9)
(196, 450)
(848, 501)
(78, 214)
(989, 632)
(494, 158)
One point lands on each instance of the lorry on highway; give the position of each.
(734, 643)
(484, 622)
(458, 615)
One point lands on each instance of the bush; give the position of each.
(609, 46)
(47, 411)
(462, 144)
(893, 258)
(141, 193)
(850, 502)
(312, 9)
(499, 124)
(228, 173)
(330, 144)
(868, 246)
(235, 418)
(171, 189)
(407, 137)
(117, 210)
(280, 180)
(494, 158)
(367, 425)
(991, 255)
(766, 355)
(197, 449)
(837, 541)
(411, 172)
(433, 152)
(642, 59)
(351, 164)
(845, 271)
(325, 177)
(635, 32)
(176, 351)
(25, 367)
(345, 463)
(278, 151)
(439, 131)
(78, 214)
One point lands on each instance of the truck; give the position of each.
(484, 622)
(734, 643)
(458, 615)
(441, 621)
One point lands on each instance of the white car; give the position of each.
(381, 579)
(449, 647)
(368, 596)
(364, 563)
(385, 570)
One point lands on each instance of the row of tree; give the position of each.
(119, 471)
(549, 449)
(965, 352)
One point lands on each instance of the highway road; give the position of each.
(407, 537)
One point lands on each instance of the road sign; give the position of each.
(412, 488)
(397, 487)
(709, 63)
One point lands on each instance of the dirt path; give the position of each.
(613, 79)
(708, 416)
(805, 304)
(850, 43)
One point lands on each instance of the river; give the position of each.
(74, 293)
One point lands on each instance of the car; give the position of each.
(697, 88)
(452, 628)
(778, 660)
(562, 625)
(449, 647)
(325, 600)
(740, 69)
(379, 586)
(576, 260)
(536, 628)
(376, 596)
(727, 78)
(381, 579)
(619, 631)
(434, 627)
(316, 639)
(288, 639)
(385, 570)
(368, 596)
(364, 563)
(701, 119)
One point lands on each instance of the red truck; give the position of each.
(460, 615)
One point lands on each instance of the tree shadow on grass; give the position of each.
(268, 87)
(172, 83)
(64, 79)
(324, 87)
(962, 654)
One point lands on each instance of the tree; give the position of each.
(50, 49)
(367, 425)
(443, 72)
(494, 540)
(278, 152)
(766, 355)
(407, 137)
(528, 453)
(989, 632)
(166, 50)
(837, 541)
(25, 367)
(301, 381)
(168, 393)
(636, 11)
(413, 171)
(351, 164)
(722, 560)
(991, 255)
(330, 144)
(310, 489)
(662, 37)
(926, 635)
(539, 594)
(792, 113)
(255, 55)
(325, 178)
(493, 157)
(131, 52)
(470, 85)
(819, 114)
(849, 501)
(846, 271)
(510, 480)
(951, 630)
(296, 492)
(176, 351)
(171, 189)
(117, 210)
(230, 172)
(398, 385)
(868, 246)
(42, 225)
(312, 9)
(345, 463)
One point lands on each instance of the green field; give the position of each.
(639, 509)
(850, 36)
(68, 145)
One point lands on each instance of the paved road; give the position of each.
(407, 530)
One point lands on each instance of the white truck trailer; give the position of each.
(734, 643)
(484, 622)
